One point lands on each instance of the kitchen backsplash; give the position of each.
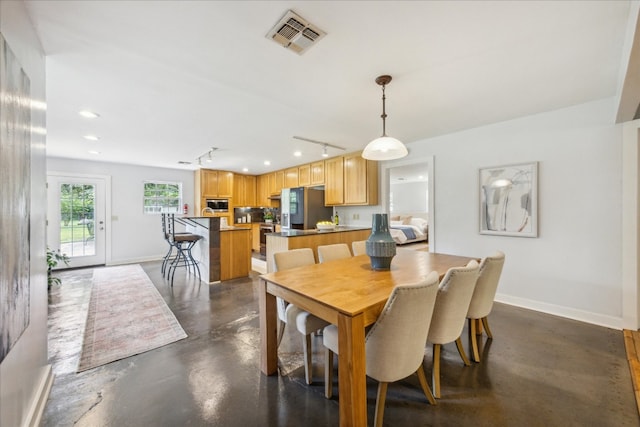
(248, 215)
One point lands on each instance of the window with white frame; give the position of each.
(162, 197)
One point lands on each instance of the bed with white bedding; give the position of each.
(408, 229)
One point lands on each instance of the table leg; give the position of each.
(268, 332)
(352, 371)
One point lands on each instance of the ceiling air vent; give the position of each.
(295, 33)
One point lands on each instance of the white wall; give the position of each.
(573, 268)
(134, 236)
(409, 197)
(25, 376)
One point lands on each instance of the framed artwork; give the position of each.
(509, 200)
(15, 188)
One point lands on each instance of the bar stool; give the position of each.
(167, 237)
(182, 242)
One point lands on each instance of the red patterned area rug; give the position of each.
(126, 316)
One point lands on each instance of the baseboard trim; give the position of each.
(561, 311)
(34, 416)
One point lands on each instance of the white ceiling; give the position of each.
(170, 79)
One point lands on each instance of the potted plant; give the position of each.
(53, 258)
(268, 216)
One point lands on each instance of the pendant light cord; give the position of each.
(384, 114)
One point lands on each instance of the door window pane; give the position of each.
(77, 207)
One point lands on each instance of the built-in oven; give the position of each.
(218, 205)
(264, 230)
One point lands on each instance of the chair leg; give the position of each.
(473, 340)
(328, 373)
(485, 323)
(463, 355)
(281, 326)
(307, 358)
(435, 374)
(425, 386)
(380, 399)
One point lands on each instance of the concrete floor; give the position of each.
(540, 370)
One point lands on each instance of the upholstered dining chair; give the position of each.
(289, 314)
(483, 296)
(359, 247)
(449, 314)
(332, 252)
(394, 345)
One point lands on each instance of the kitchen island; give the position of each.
(296, 239)
(222, 253)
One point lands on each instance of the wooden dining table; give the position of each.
(349, 294)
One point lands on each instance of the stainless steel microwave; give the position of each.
(218, 205)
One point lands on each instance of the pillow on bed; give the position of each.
(406, 219)
(395, 223)
(421, 223)
(394, 218)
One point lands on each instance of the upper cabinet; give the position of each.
(304, 175)
(291, 178)
(351, 180)
(317, 173)
(225, 184)
(244, 190)
(214, 183)
(334, 181)
(360, 180)
(276, 182)
(263, 190)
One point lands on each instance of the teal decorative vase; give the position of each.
(380, 246)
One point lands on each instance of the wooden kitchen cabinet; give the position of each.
(235, 253)
(207, 183)
(263, 190)
(350, 180)
(304, 175)
(360, 180)
(212, 183)
(244, 190)
(238, 191)
(250, 189)
(225, 184)
(276, 182)
(317, 173)
(255, 237)
(334, 181)
(291, 178)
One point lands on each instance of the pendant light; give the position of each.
(385, 147)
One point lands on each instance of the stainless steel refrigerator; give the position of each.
(305, 207)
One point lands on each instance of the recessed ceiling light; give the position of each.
(91, 137)
(267, 162)
(297, 153)
(93, 152)
(88, 114)
(245, 169)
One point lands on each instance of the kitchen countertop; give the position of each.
(234, 228)
(338, 229)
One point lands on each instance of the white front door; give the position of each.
(76, 218)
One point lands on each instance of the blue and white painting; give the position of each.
(508, 200)
(15, 191)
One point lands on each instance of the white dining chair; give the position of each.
(333, 252)
(359, 247)
(483, 297)
(289, 314)
(449, 314)
(394, 346)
